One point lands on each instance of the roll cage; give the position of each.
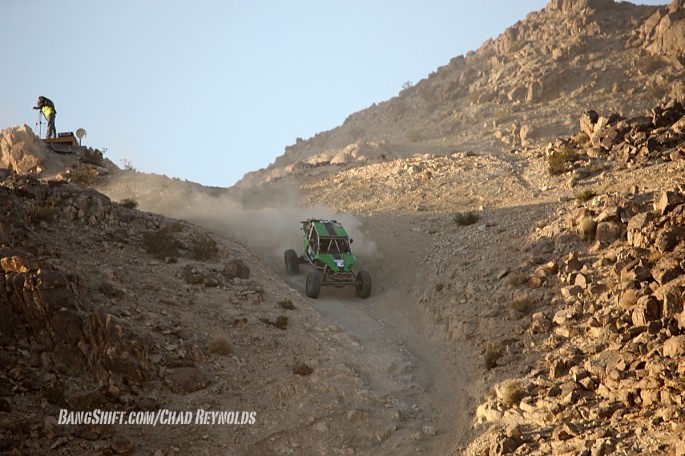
(324, 244)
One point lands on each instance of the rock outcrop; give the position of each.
(22, 152)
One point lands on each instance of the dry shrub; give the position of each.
(301, 368)
(203, 247)
(220, 344)
(82, 175)
(44, 212)
(286, 304)
(492, 352)
(581, 138)
(93, 157)
(511, 393)
(558, 159)
(587, 228)
(586, 195)
(465, 218)
(522, 302)
(161, 243)
(129, 203)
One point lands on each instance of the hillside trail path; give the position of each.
(409, 348)
(403, 355)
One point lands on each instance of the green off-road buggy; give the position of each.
(327, 248)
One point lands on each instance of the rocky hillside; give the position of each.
(521, 211)
(523, 88)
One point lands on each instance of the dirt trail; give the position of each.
(404, 355)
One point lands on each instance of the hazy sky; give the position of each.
(207, 90)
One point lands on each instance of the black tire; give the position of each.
(363, 284)
(292, 262)
(313, 286)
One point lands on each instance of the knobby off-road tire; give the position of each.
(313, 285)
(292, 262)
(363, 284)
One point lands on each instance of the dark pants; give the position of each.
(51, 132)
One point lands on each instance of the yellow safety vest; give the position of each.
(47, 110)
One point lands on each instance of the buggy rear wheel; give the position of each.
(313, 285)
(363, 284)
(292, 262)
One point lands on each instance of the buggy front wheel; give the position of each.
(292, 262)
(313, 285)
(363, 284)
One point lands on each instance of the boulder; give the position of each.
(638, 226)
(184, 380)
(674, 347)
(668, 201)
(24, 153)
(236, 268)
(588, 121)
(669, 237)
(115, 353)
(608, 232)
(646, 310)
(667, 269)
(671, 297)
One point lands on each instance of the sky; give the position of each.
(208, 90)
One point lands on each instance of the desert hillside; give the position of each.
(520, 211)
(523, 88)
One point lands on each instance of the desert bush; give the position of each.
(492, 352)
(406, 86)
(286, 304)
(557, 160)
(585, 195)
(161, 243)
(203, 247)
(43, 212)
(220, 344)
(82, 175)
(465, 218)
(301, 368)
(128, 165)
(93, 157)
(511, 393)
(522, 302)
(129, 203)
(580, 138)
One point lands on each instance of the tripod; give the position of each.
(39, 123)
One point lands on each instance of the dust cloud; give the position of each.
(267, 226)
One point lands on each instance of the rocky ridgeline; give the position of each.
(611, 343)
